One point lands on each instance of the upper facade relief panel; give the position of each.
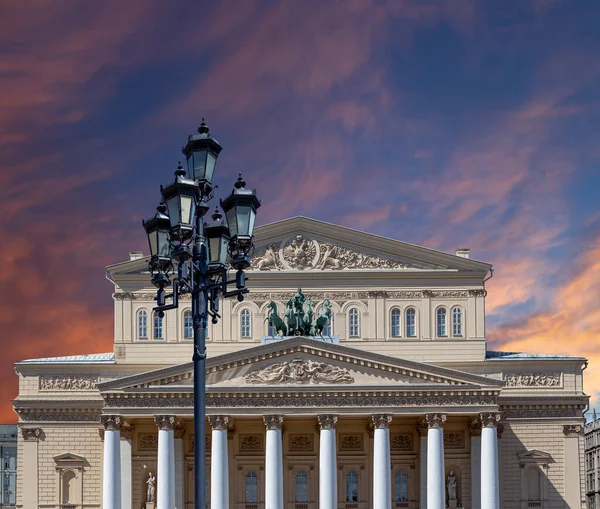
(301, 252)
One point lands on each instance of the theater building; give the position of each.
(398, 403)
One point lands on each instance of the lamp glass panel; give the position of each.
(213, 249)
(173, 206)
(187, 209)
(244, 219)
(190, 166)
(164, 245)
(199, 164)
(223, 253)
(211, 161)
(153, 242)
(232, 221)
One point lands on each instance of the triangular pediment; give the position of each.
(534, 456)
(302, 364)
(69, 459)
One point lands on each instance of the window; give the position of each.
(251, 488)
(354, 325)
(401, 487)
(351, 487)
(411, 323)
(533, 484)
(328, 329)
(441, 322)
(188, 325)
(68, 487)
(158, 326)
(245, 322)
(395, 323)
(142, 323)
(301, 487)
(457, 322)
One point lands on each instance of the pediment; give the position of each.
(303, 364)
(534, 456)
(69, 459)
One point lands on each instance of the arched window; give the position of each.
(69, 487)
(411, 323)
(251, 488)
(533, 484)
(245, 324)
(457, 322)
(353, 323)
(351, 486)
(441, 322)
(188, 325)
(301, 487)
(395, 323)
(142, 324)
(328, 329)
(401, 487)
(158, 326)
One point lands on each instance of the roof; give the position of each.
(494, 355)
(92, 358)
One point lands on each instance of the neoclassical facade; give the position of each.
(398, 404)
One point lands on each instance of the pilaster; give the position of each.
(31, 437)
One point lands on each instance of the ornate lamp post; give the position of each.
(192, 257)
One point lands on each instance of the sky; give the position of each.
(446, 124)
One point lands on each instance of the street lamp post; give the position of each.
(192, 257)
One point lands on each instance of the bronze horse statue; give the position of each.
(323, 318)
(275, 320)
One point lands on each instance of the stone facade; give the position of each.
(388, 398)
(8, 465)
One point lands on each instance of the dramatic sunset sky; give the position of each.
(446, 124)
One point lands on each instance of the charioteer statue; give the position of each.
(298, 317)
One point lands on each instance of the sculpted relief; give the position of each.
(300, 371)
(302, 253)
(68, 383)
(532, 379)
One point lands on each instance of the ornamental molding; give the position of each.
(165, 422)
(68, 383)
(435, 420)
(265, 297)
(401, 443)
(111, 422)
(301, 443)
(31, 434)
(351, 442)
(179, 430)
(58, 416)
(300, 371)
(533, 379)
(273, 422)
(454, 440)
(299, 252)
(220, 422)
(572, 430)
(382, 421)
(541, 413)
(422, 428)
(148, 442)
(327, 421)
(251, 443)
(475, 427)
(127, 431)
(489, 419)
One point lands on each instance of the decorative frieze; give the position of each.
(219, 421)
(341, 296)
(327, 421)
(532, 379)
(31, 434)
(303, 443)
(165, 422)
(351, 442)
(148, 442)
(541, 413)
(300, 371)
(435, 420)
(381, 421)
(68, 382)
(273, 422)
(454, 440)
(251, 443)
(58, 416)
(401, 443)
(489, 419)
(111, 422)
(572, 430)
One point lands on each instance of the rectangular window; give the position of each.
(354, 330)
(158, 327)
(245, 324)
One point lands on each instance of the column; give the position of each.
(29, 461)
(178, 434)
(422, 428)
(475, 429)
(382, 465)
(219, 463)
(327, 462)
(165, 471)
(126, 468)
(573, 495)
(436, 491)
(111, 480)
(273, 463)
(490, 485)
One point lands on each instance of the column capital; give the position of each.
(179, 429)
(165, 422)
(489, 419)
(127, 431)
(273, 422)
(381, 421)
(31, 434)
(475, 427)
(422, 428)
(219, 421)
(111, 422)
(572, 430)
(327, 421)
(435, 420)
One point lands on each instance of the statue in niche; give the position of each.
(151, 491)
(451, 484)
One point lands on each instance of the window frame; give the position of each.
(354, 311)
(438, 325)
(461, 324)
(156, 318)
(396, 312)
(348, 484)
(251, 475)
(187, 313)
(406, 325)
(139, 313)
(397, 483)
(301, 474)
(245, 329)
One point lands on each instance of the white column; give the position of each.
(219, 463)
(327, 462)
(490, 482)
(126, 467)
(436, 492)
(178, 433)
(165, 471)
(422, 428)
(475, 429)
(111, 480)
(382, 466)
(273, 463)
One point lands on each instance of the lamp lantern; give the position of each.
(240, 210)
(201, 152)
(157, 228)
(217, 234)
(181, 198)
